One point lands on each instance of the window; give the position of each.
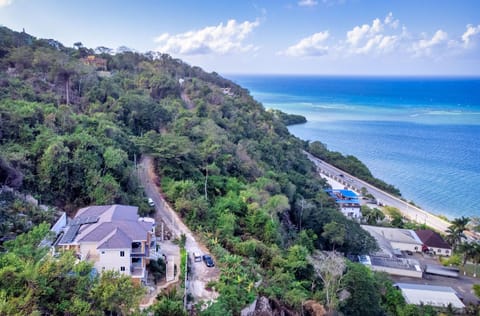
(122, 253)
(122, 268)
(103, 252)
(439, 251)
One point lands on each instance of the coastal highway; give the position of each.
(409, 211)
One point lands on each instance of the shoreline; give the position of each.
(331, 100)
(408, 210)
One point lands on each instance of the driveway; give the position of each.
(200, 274)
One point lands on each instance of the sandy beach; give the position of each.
(339, 179)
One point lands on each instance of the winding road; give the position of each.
(408, 210)
(200, 275)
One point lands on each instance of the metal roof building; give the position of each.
(437, 296)
(403, 239)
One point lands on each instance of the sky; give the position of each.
(317, 37)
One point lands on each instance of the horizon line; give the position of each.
(433, 76)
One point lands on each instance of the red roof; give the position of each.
(432, 239)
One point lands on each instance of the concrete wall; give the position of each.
(441, 251)
(88, 248)
(110, 259)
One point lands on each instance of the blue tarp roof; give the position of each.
(348, 194)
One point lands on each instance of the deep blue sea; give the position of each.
(420, 134)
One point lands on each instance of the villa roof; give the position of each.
(117, 239)
(432, 239)
(107, 225)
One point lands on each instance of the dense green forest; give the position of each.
(72, 127)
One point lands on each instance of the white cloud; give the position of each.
(373, 38)
(386, 37)
(220, 39)
(307, 3)
(389, 20)
(4, 3)
(310, 46)
(429, 46)
(469, 34)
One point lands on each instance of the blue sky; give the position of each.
(341, 37)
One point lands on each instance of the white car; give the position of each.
(150, 202)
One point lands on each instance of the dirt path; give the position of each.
(200, 275)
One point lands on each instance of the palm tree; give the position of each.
(460, 223)
(455, 231)
(454, 236)
(469, 250)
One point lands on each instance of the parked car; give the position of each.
(150, 202)
(208, 261)
(197, 257)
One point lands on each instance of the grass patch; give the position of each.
(183, 261)
(470, 269)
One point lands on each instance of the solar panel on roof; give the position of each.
(70, 234)
(84, 220)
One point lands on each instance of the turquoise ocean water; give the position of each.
(420, 134)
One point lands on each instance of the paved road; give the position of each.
(200, 274)
(411, 212)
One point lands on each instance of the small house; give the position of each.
(433, 242)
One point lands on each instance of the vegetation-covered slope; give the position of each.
(72, 127)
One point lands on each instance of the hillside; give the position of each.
(73, 122)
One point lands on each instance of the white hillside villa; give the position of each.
(113, 237)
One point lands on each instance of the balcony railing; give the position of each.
(137, 252)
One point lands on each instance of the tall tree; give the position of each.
(334, 233)
(329, 267)
(455, 232)
(364, 298)
(116, 293)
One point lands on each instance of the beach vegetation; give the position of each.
(351, 165)
(396, 217)
(455, 232)
(288, 119)
(454, 260)
(371, 215)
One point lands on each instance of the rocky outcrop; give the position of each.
(263, 307)
(314, 308)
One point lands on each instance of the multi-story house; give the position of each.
(347, 201)
(113, 237)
